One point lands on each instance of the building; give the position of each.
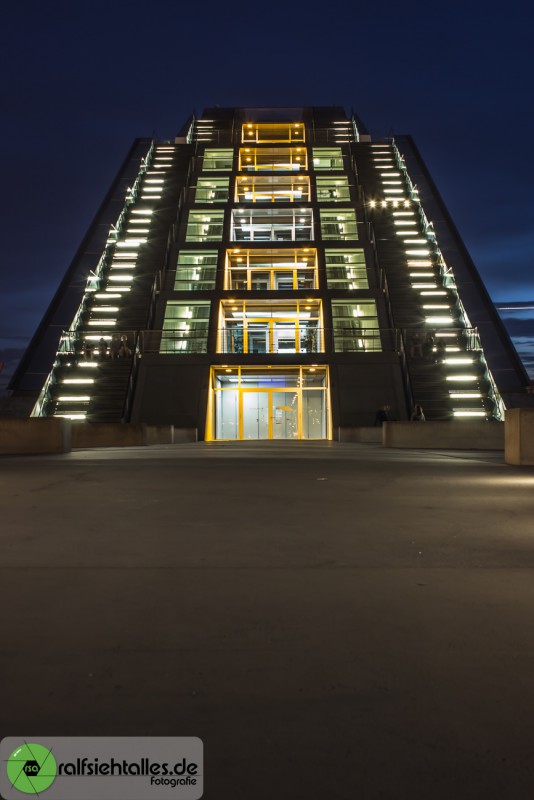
(270, 274)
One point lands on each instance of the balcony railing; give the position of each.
(282, 339)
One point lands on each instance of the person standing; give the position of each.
(382, 415)
(417, 414)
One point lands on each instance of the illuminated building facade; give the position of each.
(271, 274)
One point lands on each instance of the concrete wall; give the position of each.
(34, 436)
(360, 435)
(519, 437)
(476, 435)
(107, 434)
(171, 393)
(364, 384)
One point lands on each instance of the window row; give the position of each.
(270, 270)
(246, 327)
(273, 132)
(272, 189)
(270, 225)
(272, 159)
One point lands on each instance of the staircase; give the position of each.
(448, 375)
(91, 379)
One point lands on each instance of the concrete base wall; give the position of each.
(159, 434)
(519, 437)
(360, 435)
(34, 436)
(107, 434)
(464, 435)
(182, 435)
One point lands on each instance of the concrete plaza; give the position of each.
(333, 620)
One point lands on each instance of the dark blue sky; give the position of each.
(82, 79)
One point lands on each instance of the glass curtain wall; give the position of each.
(274, 270)
(269, 403)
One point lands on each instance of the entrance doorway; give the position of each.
(267, 403)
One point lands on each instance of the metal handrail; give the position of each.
(282, 341)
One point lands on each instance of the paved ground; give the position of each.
(335, 621)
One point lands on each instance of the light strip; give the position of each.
(67, 398)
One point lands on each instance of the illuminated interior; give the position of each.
(355, 326)
(205, 226)
(269, 403)
(185, 327)
(196, 270)
(274, 270)
(217, 159)
(273, 159)
(270, 326)
(338, 224)
(272, 189)
(327, 159)
(212, 190)
(332, 189)
(346, 269)
(272, 225)
(287, 132)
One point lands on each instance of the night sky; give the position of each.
(82, 79)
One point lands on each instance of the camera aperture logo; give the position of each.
(31, 768)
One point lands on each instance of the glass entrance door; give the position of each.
(267, 403)
(255, 414)
(285, 415)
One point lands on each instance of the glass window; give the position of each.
(196, 270)
(333, 190)
(345, 269)
(212, 190)
(185, 327)
(355, 326)
(205, 226)
(327, 158)
(272, 225)
(269, 403)
(274, 270)
(248, 326)
(272, 189)
(269, 132)
(339, 224)
(217, 159)
(273, 159)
